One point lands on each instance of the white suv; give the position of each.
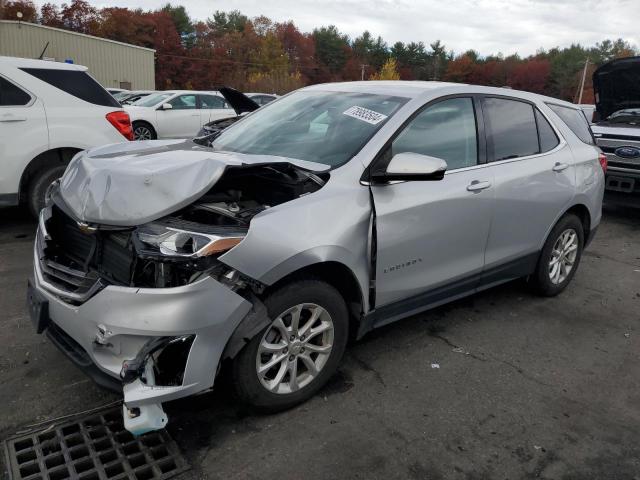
(48, 112)
(176, 113)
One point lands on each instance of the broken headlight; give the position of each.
(175, 242)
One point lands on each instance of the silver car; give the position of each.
(333, 210)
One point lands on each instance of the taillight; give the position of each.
(603, 161)
(122, 122)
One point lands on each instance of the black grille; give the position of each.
(81, 262)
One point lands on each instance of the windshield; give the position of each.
(323, 127)
(152, 100)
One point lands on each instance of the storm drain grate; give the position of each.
(96, 447)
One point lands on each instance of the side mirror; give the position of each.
(412, 166)
(166, 106)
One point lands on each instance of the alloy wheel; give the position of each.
(142, 133)
(563, 256)
(295, 348)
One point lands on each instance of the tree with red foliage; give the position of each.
(80, 16)
(460, 69)
(124, 25)
(531, 75)
(50, 16)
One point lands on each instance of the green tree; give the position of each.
(331, 47)
(182, 21)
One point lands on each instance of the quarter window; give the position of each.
(511, 129)
(11, 95)
(446, 130)
(576, 121)
(548, 138)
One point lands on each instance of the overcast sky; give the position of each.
(488, 26)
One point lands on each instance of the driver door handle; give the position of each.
(477, 186)
(558, 167)
(9, 117)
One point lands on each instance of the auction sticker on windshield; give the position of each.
(365, 115)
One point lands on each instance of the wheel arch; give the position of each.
(581, 211)
(336, 274)
(146, 123)
(340, 277)
(50, 158)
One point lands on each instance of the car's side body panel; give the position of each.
(54, 119)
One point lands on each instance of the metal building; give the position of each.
(113, 64)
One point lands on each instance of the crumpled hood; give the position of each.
(130, 184)
(616, 86)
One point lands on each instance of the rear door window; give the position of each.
(211, 102)
(76, 83)
(183, 102)
(11, 95)
(511, 128)
(575, 120)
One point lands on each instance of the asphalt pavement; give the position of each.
(500, 385)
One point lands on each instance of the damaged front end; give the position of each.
(152, 304)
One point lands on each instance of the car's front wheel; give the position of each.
(560, 256)
(293, 357)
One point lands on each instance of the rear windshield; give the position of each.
(76, 83)
(576, 121)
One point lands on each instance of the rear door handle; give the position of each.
(477, 185)
(558, 167)
(12, 118)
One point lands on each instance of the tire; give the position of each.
(143, 131)
(38, 187)
(250, 386)
(548, 280)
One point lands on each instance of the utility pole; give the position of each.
(362, 67)
(584, 76)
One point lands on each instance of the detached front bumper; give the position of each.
(116, 323)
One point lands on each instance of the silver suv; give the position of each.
(329, 212)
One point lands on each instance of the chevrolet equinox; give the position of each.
(331, 211)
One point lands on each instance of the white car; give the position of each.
(50, 111)
(176, 113)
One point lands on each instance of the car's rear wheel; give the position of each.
(293, 357)
(560, 256)
(143, 131)
(38, 187)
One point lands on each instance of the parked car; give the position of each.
(49, 112)
(617, 92)
(128, 98)
(241, 105)
(262, 98)
(335, 210)
(176, 113)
